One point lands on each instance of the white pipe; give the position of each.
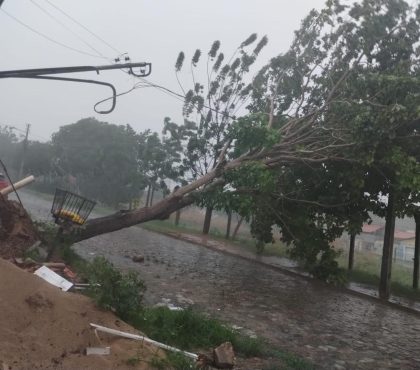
(139, 337)
(18, 185)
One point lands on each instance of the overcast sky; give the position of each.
(151, 31)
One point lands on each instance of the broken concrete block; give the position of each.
(102, 351)
(224, 356)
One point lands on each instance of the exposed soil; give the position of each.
(17, 232)
(42, 327)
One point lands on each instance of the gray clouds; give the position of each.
(152, 31)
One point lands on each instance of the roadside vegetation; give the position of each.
(366, 270)
(185, 329)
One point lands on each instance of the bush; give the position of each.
(122, 293)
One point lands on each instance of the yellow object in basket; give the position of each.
(72, 216)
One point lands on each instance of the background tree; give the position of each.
(327, 109)
(101, 157)
(159, 161)
(8, 147)
(211, 106)
(39, 159)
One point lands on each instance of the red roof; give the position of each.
(371, 228)
(404, 235)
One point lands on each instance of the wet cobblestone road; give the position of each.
(334, 329)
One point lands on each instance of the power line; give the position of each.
(32, 133)
(68, 29)
(47, 37)
(84, 27)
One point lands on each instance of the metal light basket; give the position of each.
(71, 207)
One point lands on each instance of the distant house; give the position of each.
(370, 234)
(404, 245)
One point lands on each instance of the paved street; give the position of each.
(335, 329)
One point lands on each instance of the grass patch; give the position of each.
(174, 361)
(367, 271)
(277, 249)
(290, 361)
(114, 290)
(189, 330)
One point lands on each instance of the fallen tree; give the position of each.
(326, 99)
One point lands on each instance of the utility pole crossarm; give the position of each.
(145, 70)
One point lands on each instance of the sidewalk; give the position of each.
(288, 266)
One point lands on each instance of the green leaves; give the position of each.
(179, 61)
(251, 132)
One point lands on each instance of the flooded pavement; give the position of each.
(334, 329)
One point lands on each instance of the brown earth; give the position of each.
(17, 232)
(42, 327)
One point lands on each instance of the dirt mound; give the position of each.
(44, 328)
(17, 232)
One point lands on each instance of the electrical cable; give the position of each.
(32, 134)
(70, 30)
(47, 37)
(150, 84)
(114, 91)
(84, 27)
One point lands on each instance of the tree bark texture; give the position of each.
(351, 250)
(177, 217)
(229, 223)
(207, 220)
(152, 195)
(416, 252)
(148, 196)
(181, 198)
(238, 225)
(386, 266)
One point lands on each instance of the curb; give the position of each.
(289, 272)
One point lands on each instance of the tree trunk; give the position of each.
(229, 222)
(351, 250)
(148, 196)
(152, 195)
(416, 252)
(386, 266)
(120, 220)
(181, 198)
(235, 232)
(177, 217)
(207, 220)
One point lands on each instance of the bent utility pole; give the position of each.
(144, 70)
